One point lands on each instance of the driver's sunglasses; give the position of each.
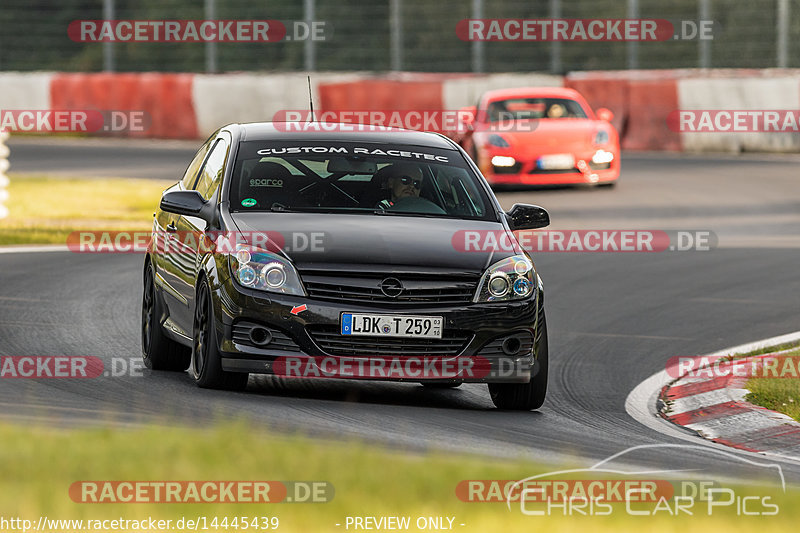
(405, 180)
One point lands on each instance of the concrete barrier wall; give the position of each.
(20, 90)
(640, 101)
(166, 99)
(220, 100)
(191, 106)
(740, 94)
(465, 91)
(381, 95)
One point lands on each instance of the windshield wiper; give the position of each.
(407, 214)
(281, 208)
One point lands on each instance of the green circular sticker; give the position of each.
(249, 202)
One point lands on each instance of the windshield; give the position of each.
(534, 108)
(370, 179)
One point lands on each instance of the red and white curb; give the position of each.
(713, 407)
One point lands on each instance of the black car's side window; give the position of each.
(189, 177)
(211, 174)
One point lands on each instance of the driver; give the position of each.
(556, 111)
(404, 181)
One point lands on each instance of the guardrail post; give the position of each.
(782, 34)
(309, 47)
(396, 34)
(211, 46)
(478, 48)
(556, 66)
(704, 53)
(632, 47)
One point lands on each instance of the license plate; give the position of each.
(429, 327)
(556, 162)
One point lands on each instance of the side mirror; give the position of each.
(524, 216)
(604, 114)
(189, 203)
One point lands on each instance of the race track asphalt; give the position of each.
(614, 319)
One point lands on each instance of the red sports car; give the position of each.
(541, 136)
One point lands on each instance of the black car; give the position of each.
(372, 254)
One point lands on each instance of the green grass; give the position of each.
(771, 349)
(778, 394)
(38, 465)
(45, 210)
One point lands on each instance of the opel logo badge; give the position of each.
(391, 287)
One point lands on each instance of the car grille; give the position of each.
(573, 170)
(365, 287)
(332, 342)
(536, 170)
(513, 169)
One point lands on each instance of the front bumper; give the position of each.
(525, 171)
(306, 343)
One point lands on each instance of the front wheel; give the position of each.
(525, 396)
(206, 366)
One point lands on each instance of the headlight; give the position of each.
(510, 279)
(601, 137)
(601, 156)
(265, 271)
(503, 161)
(496, 140)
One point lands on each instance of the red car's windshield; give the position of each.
(524, 108)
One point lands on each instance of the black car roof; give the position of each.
(266, 131)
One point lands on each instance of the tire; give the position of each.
(206, 367)
(452, 384)
(525, 396)
(159, 352)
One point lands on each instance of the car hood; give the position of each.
(362, 241)
(551, 136)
